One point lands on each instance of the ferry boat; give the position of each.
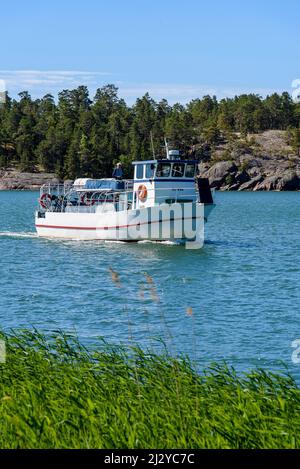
(165, 201)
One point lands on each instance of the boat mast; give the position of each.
(167, 148)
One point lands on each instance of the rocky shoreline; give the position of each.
(265, 163)
(262, 162)
(12, 179)
(260, 175)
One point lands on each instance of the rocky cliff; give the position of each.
(262, 162)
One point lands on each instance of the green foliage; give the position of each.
(54, 393)
(296, 140)
(211, 134)
(79, 136)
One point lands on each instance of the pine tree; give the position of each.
(86, 157)
(72, 161)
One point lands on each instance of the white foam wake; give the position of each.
(168, 243)
(17, 234)
(113, 241)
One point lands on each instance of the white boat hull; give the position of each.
(157, 223)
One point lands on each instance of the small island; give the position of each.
(242, 143)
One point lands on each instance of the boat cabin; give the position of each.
(164, 181)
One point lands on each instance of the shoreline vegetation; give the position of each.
(57, 393)
(54, 393)
(242, 143)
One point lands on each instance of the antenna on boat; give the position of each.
(152, 144)
(167, 148)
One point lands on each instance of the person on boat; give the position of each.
(118, 171)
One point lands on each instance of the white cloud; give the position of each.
(41, 82)
(184, 93)
(2, 91)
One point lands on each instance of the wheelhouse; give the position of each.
(164, 181)
(164, 169)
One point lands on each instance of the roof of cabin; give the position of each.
(165, 160)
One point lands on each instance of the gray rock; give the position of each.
(241, 177)
(268, 184)
(221, 169)
(249, 185)
(234, 187)
(219, 172)
(12, 179)
(289, 182)
(254, 171)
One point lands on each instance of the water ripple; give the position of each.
(237, 299)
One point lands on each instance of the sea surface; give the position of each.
(236, 300)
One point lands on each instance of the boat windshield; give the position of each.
(163, 170)
(178, 170)
(190, 170)
(150, 170)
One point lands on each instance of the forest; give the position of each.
(76, 135)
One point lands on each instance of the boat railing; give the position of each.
(128, 184)
(65, 188)
(56, 189)
(104, 201)
(65, 199)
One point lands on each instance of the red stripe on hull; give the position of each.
(89, 228)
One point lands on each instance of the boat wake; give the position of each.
(167, 243)
(112, 241)
(17, 234)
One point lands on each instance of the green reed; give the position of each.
(54, 393)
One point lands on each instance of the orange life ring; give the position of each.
(142, 192)
(43, 202)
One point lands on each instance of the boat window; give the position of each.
(190, 170)
(163, 170)
(178, 170)
(150, 170)
(139, 171)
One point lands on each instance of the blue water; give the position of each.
(243, 286)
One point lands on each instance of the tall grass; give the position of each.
(57, 394)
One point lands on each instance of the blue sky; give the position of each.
(174, 49)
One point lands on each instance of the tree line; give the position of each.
(77, 136)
